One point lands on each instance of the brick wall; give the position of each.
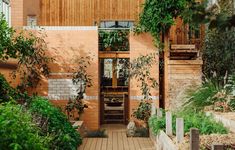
(182, 76)
(65, 46)
(142, 45)
(61, 89)
(17, 13)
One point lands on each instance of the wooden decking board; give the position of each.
(99, 143)
(83, 144)
(131, 144)
(110, 138)
(104, 144)
(125, 142)
(88, 144)
(117, 140)
(120, 141)
(93, 144)
(136, 143)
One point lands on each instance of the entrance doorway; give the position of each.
(114, 91)
(114, 57)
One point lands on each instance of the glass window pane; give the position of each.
(122, 72)
(106, 72)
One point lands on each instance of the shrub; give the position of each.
(156, 124)
(143, 111)
(17, 130)
(8, 93)
(218, 53)
(97, 133)
(203, 96)
(232, 104)
(142, 132)
(66, 137)
(5, 90)
(205, 124)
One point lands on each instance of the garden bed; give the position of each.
(228, 119)
(206, 141)
(211, 131)
(166, 142)
(227, 115)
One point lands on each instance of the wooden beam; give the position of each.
(114, 55)
(185, 62)
(166, 62)
(8, 65)
(183, 46)
(114, 79)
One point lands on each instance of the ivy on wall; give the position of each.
(158, 16)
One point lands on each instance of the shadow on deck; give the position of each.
(117, 140)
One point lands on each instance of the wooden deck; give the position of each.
(117, 140)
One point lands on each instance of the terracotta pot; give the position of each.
(108, 49)
(81, 116)
(139, 123)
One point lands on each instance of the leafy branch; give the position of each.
(82, 79)
(140, 69)
(30, 52)
(158, 16)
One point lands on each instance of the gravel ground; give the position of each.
(207, 140)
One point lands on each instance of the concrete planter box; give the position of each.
(162, 141)
(230, 124)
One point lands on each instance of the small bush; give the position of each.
(66, 137)
(203, 96)
(232, 104)
(143, 111)
(142, 132)
(205, 124)
(156, 124)
(97, 133)
(17, 131)
(8, 93)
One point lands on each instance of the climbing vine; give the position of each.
(158, 16)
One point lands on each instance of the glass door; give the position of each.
(114, 90)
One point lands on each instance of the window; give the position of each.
(116, 24)
(5, 9)
(32, 21)
(114, 72)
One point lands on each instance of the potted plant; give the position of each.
(116, 40)
(104, 41)
(140, 70)
(143, 112)
(75, 105)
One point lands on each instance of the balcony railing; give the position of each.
(185, 42)
(115, 39)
